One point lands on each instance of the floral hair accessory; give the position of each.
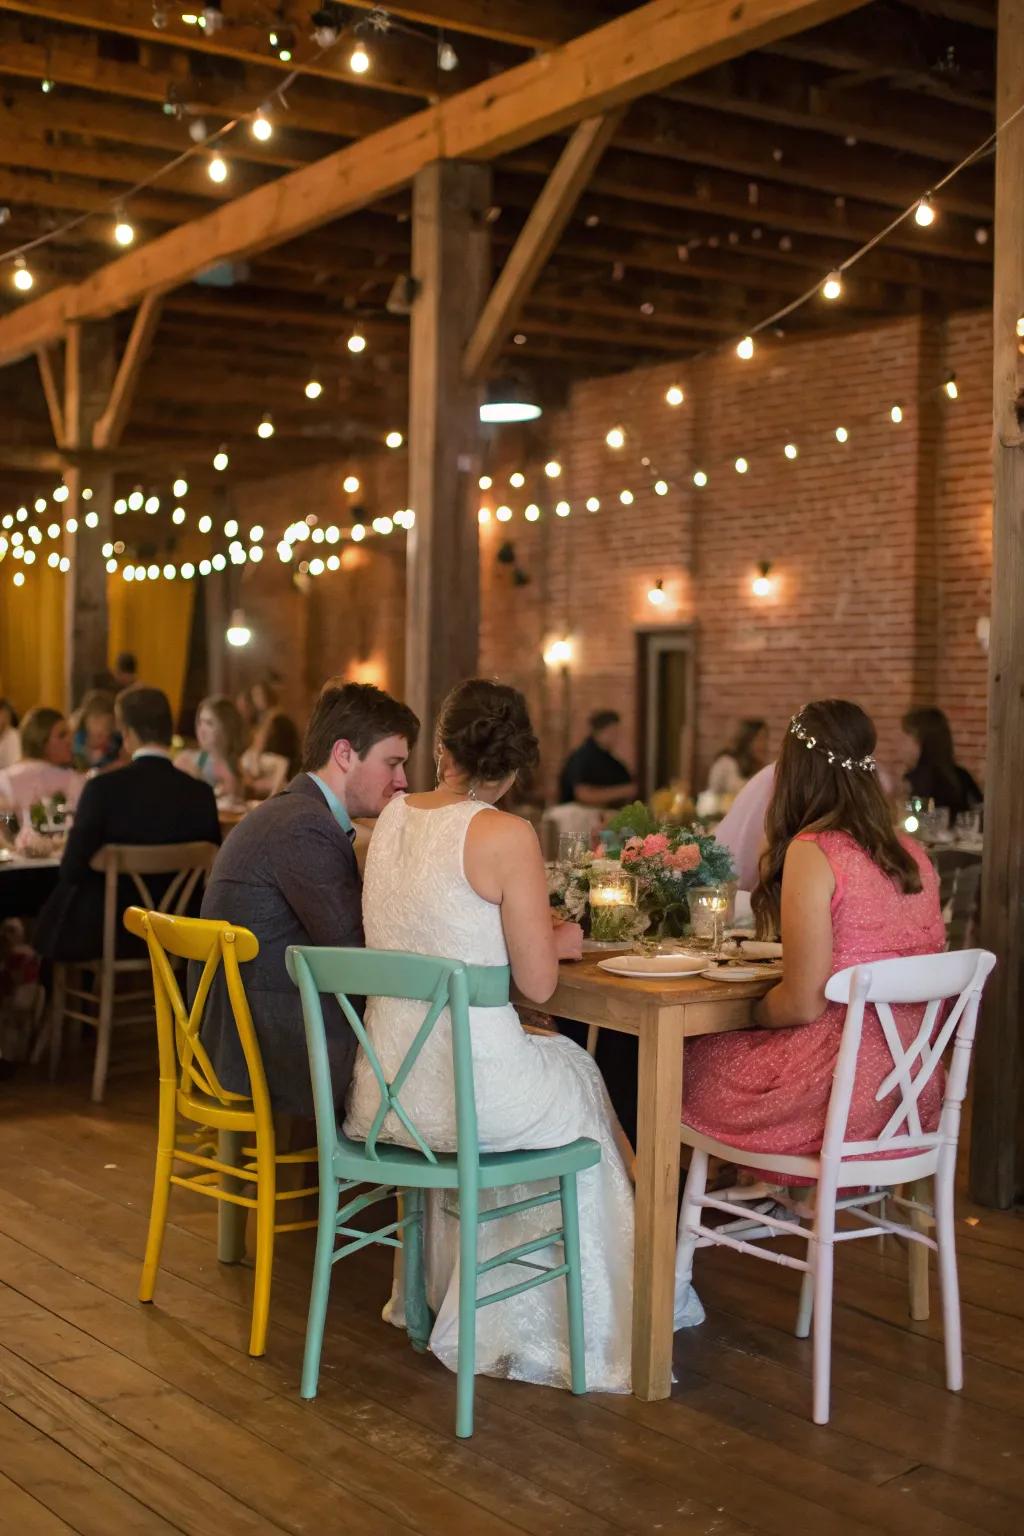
(798, 729)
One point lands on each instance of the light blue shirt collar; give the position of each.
(337, 810)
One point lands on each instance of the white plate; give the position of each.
(741, 973)
(653, 966)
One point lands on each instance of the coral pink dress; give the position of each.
(767, 1090)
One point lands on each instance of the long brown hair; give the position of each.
(812, 793)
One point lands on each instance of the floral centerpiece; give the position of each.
(666, 860)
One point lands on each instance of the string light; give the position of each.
(504, 514)
(552, 469)
(745, 348)
(135, 501)
(562, 509)
(700, 479)
(357, 342)
(205, 524)
(896, 414)
(23, 278)
(350, 484)
(61, 493)
(71, 526)
(221, 460)
(314, 389)
(230, 528)
(741, 466)
(92, 519)
(266, 426)
(485, 482)
(124, 233)
(483, 515)
(180, 487)
(657, 595)
(120, 506)
(532, 512)
(1020, 325)
(924, 212)
(593, 504)
(627, 498)
(791, 450)
(19, 578)
(152, 504)
(674, 395)
(358, 533)
(178, 515)
(359, 59)
(842, 436)
(217, 169)
(661, 487)
(615, 438)
(517, 480)
(447, 58)
(951, 388)
(262, 127)
(832, 287)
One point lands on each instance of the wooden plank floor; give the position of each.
(115, 1416)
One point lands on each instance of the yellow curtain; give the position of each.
(32, 637)
(153, 619)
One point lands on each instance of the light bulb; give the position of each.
(924, 213)
(517, 480)
(700, 479)
(350, 484)
(19, 578)
(842, 436)
(180, 487)
(314, 389)
(761, 586)
(791, 450)
(152, 504)
(205, 524)
(627, 498)
(558, 653)
(124, 233)
(23, 278)
(61, 493)
(111, 566)
(218, 562)
(615, 438)
(170, 572)
(220, 459)
(358, 533)
(674, 395)
(357, 342)
(532, 512)
(230, 528)
(562, 509)
(447, 58)
(741, 466)
(1020, 325)
(359, 60)
(53, 532)
(153, 571)
(552, 469)
(951, 389)
(188, 570)
(896, 414)
(217, 170)
(485, 482)
(394, 440)
(53, 560)
(266, 427)
(593, 504)
(256, 534)
(504, 514)
(92, 519)
(832, 287)
(483, 515)
(657, 594)
(205, 567)
(178, 515)
(120, 506)
(135, 501)
(262, 127)
(86, 493)
(745, 348)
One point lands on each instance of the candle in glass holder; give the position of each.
(613, 909)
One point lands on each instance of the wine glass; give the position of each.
(708, 906)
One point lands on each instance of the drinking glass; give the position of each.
(571, 848)
(708, 906)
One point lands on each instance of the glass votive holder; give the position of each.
(708, 906)
(613, 909)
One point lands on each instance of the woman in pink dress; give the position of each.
(844, 888)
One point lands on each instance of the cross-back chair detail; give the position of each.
(948, 989)
(221, 1121)
(406, 1173)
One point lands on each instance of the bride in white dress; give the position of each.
(448, 874)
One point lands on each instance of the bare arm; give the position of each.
(503, 864)
(807, 888)
(591, 794)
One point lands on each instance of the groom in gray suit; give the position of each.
(288, 872)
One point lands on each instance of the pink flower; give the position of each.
(653, 845)
(631, 850)
(685, 857)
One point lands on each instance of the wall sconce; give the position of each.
(558, 653)
(761, 586)
(657, 596)
(982, 631)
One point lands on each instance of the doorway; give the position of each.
(666, 662)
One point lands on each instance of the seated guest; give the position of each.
(126, 670)
(735, 765)
(146, 801)
(936, 775)
(10, 737)
(96, 742)
(741, 829)
(273, 757)
(592, 774)
(288, 872)
(846, 889)
(220, 737)
(44, 769)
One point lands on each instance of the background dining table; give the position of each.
(662, 1014)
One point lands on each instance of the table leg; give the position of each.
(659, 1108)
(230, 1218)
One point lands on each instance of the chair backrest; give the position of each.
(948, 988)
(186, 863)
(215, 946)
(358, 973)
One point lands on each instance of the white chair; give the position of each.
(901, 1154)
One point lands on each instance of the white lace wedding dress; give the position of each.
(531, 1091)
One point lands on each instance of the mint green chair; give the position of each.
(409, 1171)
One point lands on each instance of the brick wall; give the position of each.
(880, 547)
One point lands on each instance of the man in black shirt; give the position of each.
(593, 775)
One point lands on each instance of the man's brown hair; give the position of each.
(357, 713)
(147, 712)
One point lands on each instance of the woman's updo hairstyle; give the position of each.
(486, 728)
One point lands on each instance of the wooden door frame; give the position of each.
(644, 634)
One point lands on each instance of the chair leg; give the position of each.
(104, 1029)
(266, 1215)
(161, 1192)
(418, 1321)
(574, 1283)
(58, 1003)
(805, 1310)
(319, 1287)
(822, 1255)
(945, 1232)
(689, 1216)
(466, 1374)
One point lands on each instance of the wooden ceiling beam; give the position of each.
(524, 23)
(636, 54)
(49, 363)
(113, 419)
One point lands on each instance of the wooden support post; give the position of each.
(109, 428)
(537, 239)
(450, 264)
(88, 371)
(46, 357)
(997, 1140)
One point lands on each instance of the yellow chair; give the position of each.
(190, 1090)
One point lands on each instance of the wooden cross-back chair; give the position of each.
(856, 1177)
(191, 1091)
(187, 864)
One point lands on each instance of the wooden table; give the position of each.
(661, 1014)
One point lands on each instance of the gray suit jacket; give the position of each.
(288, 872)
